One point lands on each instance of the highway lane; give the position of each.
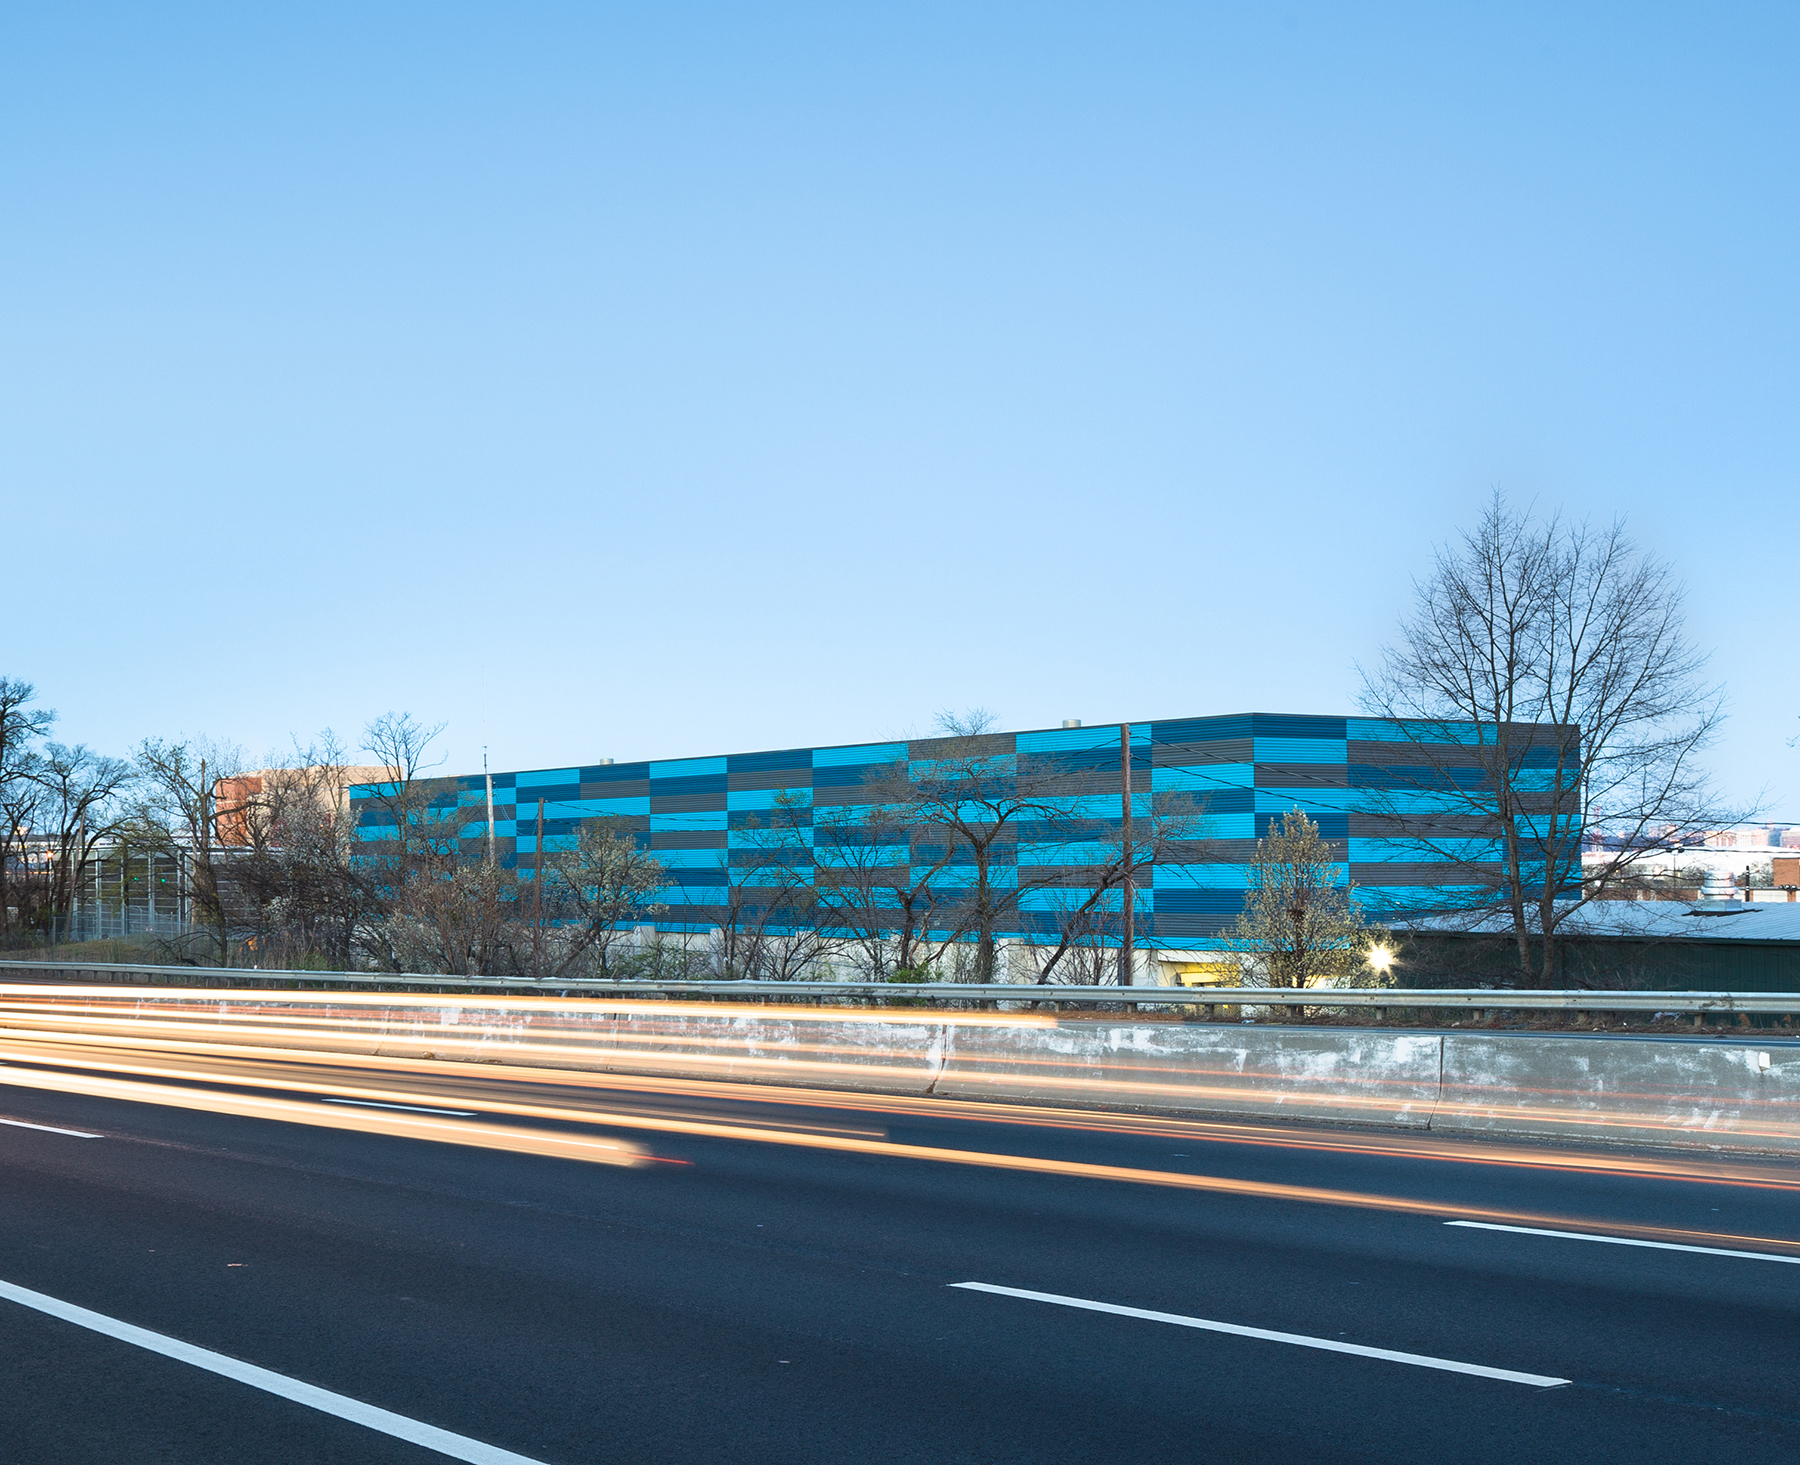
(742, 1293)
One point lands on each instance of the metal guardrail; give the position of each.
(1380, 999)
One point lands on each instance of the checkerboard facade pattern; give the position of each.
(706, 819)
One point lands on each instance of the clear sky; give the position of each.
(657, 380)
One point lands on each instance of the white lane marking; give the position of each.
(1330, 1345)
(410, 1108)
(51, 1129)
(456, 1446)
(1755, 1256)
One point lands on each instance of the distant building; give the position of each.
(1741, 857)
(236, 799)
(706, 819)
(1656, 945)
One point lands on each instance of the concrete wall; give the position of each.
(1630, 1089)
(1709, 1092)
(1306, 1073)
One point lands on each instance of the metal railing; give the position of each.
(1478, 1000)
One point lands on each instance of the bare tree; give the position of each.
(1086, 894)
(440, 912)
(603, 889)
(1548, 658)
(896, 917)
(409, 801)
(21, 726)
(970, 801)
(464, 918)
(1089, 930)
(307, 896)
(187, 789)
(772, 928)
(82, 808)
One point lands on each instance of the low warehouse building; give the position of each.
(1707, 946)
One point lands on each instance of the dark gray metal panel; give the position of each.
(767, 778)
(1367, 825)
(988, 745)
(700, 803)
(1410, 755)
(1194, 755)
(1423, 872)
(840, 798)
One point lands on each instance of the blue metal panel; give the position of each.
(1379, 730)
(1172, 878)
(541, 776)
(671, 823)
(1315, 803)
(769, 798)
(1300, 750)
(1281, 725)
(859, 753)
(1204, 779)
(689, 768)
(1070, 739)
(687, 785)
(767, 762)
(1220, 901)
(689, 859)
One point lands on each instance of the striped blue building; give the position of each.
(709, 820)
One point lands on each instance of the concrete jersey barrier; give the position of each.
(1362, 1076)
(1636, 1090)
(1719, 1093)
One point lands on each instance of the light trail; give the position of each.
(605, 1151)
(1412, 1146)
(545, 1027)
(622, 1153)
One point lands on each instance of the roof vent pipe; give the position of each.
(1071, 722)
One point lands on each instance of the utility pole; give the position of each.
(205, 833)
(1128, 902)
(537, 898)
(488, 778)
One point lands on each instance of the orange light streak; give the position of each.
(599, 1150)
(1417, 1146)
(622, 1153)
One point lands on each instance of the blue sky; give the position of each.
(665, 380)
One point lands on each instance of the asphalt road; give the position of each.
(774, 1280)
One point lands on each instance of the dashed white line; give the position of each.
(52, 1129)
(410, 1108)
(1755, 1256)
(383, 1421)
(1299, 1340)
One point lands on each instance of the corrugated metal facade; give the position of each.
(1233, 777)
